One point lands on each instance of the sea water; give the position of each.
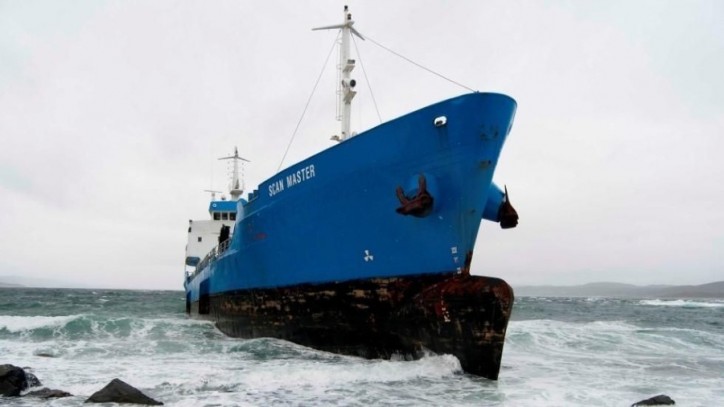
(558, 352)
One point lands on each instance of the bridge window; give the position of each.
(217, 216)
(225, 216)
(232, 216)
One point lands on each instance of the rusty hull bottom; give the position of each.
(462, 315)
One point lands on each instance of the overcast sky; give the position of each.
(113, 115)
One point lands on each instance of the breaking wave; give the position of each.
(95, 327)
(16, 324)
(558, 352)
(683, 303)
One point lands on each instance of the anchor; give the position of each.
(506, 213)
(420, 205)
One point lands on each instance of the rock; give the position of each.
(46, 393)
(32, 380)
(660, 400)
(118, 391)
(12, 381)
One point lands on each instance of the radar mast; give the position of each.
(236, 188)
(346, 85)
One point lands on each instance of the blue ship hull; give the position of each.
(403, 200)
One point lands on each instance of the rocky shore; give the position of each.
(17, 382)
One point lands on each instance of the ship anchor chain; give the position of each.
(419, 205)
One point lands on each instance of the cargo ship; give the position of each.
(365, 248)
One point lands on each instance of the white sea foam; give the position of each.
(556, 363)
(609, 337)
(546, 362)
(15, 324)
(555, 366)
(322, 374)
(683, 303)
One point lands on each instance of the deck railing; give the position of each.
(210, 257)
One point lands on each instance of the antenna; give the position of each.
(213, 193)
(345, 87)
(236, 188)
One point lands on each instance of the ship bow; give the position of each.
(466, 316)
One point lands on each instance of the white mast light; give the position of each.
(345, 87)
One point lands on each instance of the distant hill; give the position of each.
(20, 281)
(604, 289)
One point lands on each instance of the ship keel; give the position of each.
(458, 314)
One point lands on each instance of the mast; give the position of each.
(236, 188)
(346, 85)
(213, 193)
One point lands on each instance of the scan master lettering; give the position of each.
(292, 179)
